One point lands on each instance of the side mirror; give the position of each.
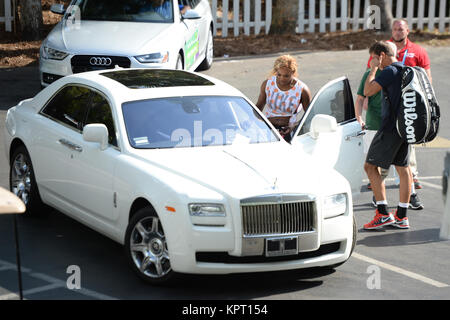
(322, 123)
(57, 8)
(96, 132)
(191, 15)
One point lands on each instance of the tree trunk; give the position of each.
(30, 19)
(284, 16)
(386, 17)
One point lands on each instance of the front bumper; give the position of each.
(221, 250)
(52, 70)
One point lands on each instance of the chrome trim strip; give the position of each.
(275, 235)
(277, 199)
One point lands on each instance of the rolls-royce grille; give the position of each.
(83, 63)
(284, 218)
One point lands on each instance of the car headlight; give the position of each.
(50, 53)
(157, 57)
(206, 210)
(334, 205)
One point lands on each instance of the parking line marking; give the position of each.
(54, 283)
(400, 270)
(43, 288)
(4, 266)
(431, 185)
(9, 296)
(62, 284)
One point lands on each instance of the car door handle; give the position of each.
(355, 135)
(70, 145)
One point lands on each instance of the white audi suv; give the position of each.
(103, 34)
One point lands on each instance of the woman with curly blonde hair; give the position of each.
(283, 93)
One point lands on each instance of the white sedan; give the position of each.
(102, 34)
(186, 173)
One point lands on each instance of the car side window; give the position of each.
(333, 101)
(100, 112)
(69, 106)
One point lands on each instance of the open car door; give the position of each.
(330, 132)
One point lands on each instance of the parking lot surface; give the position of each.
(386, 264)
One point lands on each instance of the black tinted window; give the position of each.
(69, 106)
(124, 10)
(100, 112)
(196, 121)
(333, 101)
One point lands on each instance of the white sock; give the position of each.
(382, 202)
(403, 205)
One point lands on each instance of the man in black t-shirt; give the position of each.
(387, 146)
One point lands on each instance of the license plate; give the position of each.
(281, 246)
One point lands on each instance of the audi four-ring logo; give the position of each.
(100, 61)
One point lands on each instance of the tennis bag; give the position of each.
(419, 112)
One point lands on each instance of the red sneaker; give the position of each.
(401, 223)
(380, 220)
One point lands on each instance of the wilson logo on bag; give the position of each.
(419, 112)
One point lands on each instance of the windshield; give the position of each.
(196, 121)
(122, 10)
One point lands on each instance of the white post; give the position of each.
(366, 14)
(268, 21)
(410, 14)
(258, 16)
(420, 14)
(301, 16)
(356, 7)
(333, 16)
(431, 9)
(444, 234)
(442, 10)
(344, 17)
(399, 10)
(312, 16)
(322, 16)
(8, 16)
(445, 227)
(236, 17)
(224, 18)
(247, 17)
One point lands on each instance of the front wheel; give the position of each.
(146, 248)
(22, 181)
(179, 64)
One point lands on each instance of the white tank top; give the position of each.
(282, 103)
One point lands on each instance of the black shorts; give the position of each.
(388, 148)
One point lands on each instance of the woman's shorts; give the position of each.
(388, 148)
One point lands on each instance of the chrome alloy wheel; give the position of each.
(148, 248)
(21, 178)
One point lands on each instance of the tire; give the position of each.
(209, 53)
(179, 65)
(146, 248)
(22, 181)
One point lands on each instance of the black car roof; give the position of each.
(155, 78)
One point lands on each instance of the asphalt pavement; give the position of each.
(386, 264)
